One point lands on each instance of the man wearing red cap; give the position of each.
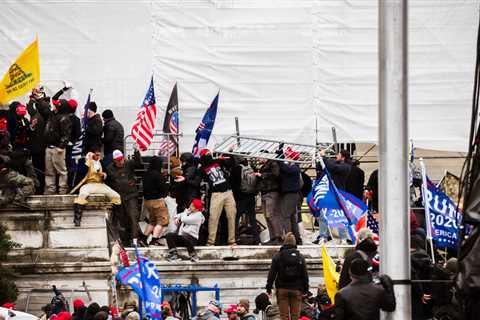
(19, 126)
(189, 221)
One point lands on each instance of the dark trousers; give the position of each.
(246, 206)
(174, 240)
(289, 207)
(38, 161)
(289, 303)
(125, 220)
(71, 167)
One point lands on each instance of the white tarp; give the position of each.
(277, 63)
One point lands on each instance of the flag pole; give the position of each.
(426, 207)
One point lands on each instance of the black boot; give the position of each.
(77, 214)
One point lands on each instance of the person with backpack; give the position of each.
(244, 186)
(289, 273)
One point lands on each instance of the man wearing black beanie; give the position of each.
(113, 135)
(362, 299)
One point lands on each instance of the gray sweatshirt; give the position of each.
(190, 223)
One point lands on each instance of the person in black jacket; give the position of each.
(215, 173)
(155, 189)
(121, 178)
(361, 299)
(356, 180)
(93, 132)
(269, 186)
(245, 199)
(291, 186)
(372, 187)
(339, 168)
(289, 273)
(37, 146)
(57, 135)
(190, 186)
(19, 126)
(113, 134)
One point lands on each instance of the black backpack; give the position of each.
(291, 265)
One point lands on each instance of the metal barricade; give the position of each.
(155, 148)
(251, 147)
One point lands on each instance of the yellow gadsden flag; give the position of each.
(330, 275)
(22, 76)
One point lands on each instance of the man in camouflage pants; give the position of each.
(14, 187)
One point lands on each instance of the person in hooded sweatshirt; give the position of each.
(79, 309)
(191, 184)
(155, 189)
(37, 146)
(212, 312)
(94, 130)
(366, 249)
(19, 126)
(189, 221)
(289, 273)
(269, 310)
(243, 310)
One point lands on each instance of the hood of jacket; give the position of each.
(156, 164)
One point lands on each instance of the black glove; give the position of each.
(386, 282)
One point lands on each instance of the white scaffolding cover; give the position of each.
(277, 63)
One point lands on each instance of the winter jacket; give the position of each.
(19, 128)
(155, 184)
(113, 136)
(37, 125)
(14, 187)
(5, 146)
(368, 249)
(289, 177)
(76, 128)
(355, 182)
(272, 313)
(339, 172)
(20, 161)
(93, 133)
(280, 271)
(236, 182)
(372, 186)
(205, 315)
(59, 127)
(191, 223)
(248, 316)
(269, 181)
(192, 182)
(122, 179)
(363, 300)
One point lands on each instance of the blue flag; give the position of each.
(340, 208)
(205, 128)
(146, 284)
(78, 147)
(444, 218)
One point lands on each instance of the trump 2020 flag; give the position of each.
(340, 208)
(146, 284)
(22, 76)
(444, 217)
(169, 143)
(205, 128)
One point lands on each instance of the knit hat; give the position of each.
(8, 305)
(92, 106)
(73, 104)
(204, 152)
(359, 268)
(290, 239)
(197, 203)
(64, 315)
(244, 303)
(3, 124)
(262, 301)
(215, 306)
(77, 304)
(107, 114)
(21, 110)
(117, 155)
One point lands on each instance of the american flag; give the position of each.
(143, 128)
(368, 221)
(169, 144)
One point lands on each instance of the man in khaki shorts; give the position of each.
(155, 189)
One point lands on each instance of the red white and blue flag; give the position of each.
(144, 126)
(169, 143)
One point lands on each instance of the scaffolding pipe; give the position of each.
(393, 150)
